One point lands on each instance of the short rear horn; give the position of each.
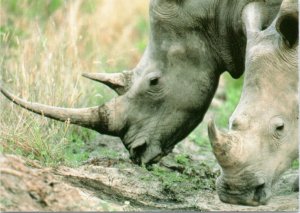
(120, 82)
(223, 145)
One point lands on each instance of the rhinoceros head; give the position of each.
(263, 131)
(167, 94)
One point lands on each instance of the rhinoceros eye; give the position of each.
(278, 127)
(154, 81)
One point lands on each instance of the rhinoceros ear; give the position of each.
(287, 24)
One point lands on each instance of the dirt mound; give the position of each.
(109, 184)
(25, 186)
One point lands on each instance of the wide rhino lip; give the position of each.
(256, 195)
(142, 160)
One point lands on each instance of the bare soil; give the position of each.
(106, 184)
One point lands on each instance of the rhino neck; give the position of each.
(218, 24)
(230, 35)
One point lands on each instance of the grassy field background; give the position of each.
(46, 45)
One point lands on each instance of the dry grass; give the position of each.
(42, 60)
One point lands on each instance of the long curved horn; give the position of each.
(223, 145)
(101, 118)
(120, 82)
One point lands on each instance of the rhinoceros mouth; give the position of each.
(145, 153)
(255, 196)
(144, 160)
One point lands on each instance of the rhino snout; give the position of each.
(142, 152)
(255, 196)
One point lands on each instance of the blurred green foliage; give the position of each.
(233, 92)
(295, 164)
(142, 27)
(221, 115)
(88, 6)
(38, 8)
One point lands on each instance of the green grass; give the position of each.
(182, 159)
(61, 144)
(194, 177)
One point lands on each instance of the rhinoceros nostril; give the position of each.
(259, 193)
(139, 150)
(136, 150)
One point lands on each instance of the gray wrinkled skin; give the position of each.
(265, 122)
(192, 42)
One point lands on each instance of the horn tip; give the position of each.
(210, 121)
(212, 130)
(86, 75)
(4, 91)
(93, 76)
